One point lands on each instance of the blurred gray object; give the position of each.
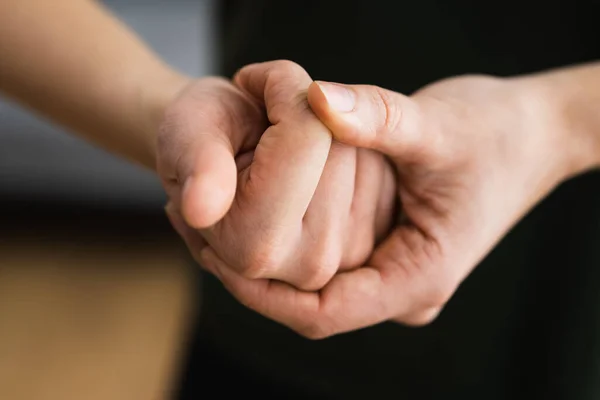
(40, 162)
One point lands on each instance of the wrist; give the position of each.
(155, 94)
(569, 101)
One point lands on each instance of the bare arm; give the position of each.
(73, 62)
(574, 96)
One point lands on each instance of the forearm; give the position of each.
(573, 96)
(74, 63)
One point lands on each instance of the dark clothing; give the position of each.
(526, 323)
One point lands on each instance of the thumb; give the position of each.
(200, 137)
(210, 181)
(368, 116)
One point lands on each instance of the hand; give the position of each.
(202, 131)
(473, 154)
(297, 208)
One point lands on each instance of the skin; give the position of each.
(280, 186)
(330, 201)
(74, 63)
(302, 206)
(473, 154)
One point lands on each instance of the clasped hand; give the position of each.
(287, 189)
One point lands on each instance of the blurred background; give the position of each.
(95, 291)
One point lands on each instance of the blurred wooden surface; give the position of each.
(88, 318)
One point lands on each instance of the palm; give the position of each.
(473, 176)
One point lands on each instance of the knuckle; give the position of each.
(242, 73)
(390, 115)
(315, 331)
(423, 319)
(253, 303)
(358, 253)
(437, 293)
(283, 89)
(320, 269)
(280, 71)
(287, 66)
(262, 261)
(279, 75)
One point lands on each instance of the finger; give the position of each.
(190, 236)
(387, 207)
(420, 283)
(292, 153)
(370, 117)
(209, 183)
(398, 283)
(419, 318)
(199, 140)
(360, 235)
(340, 307)
(275, 300)
(396, 286)
(325, 224)
(316, 257)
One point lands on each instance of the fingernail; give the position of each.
(339, 97)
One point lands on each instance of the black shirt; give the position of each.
(526, 323)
